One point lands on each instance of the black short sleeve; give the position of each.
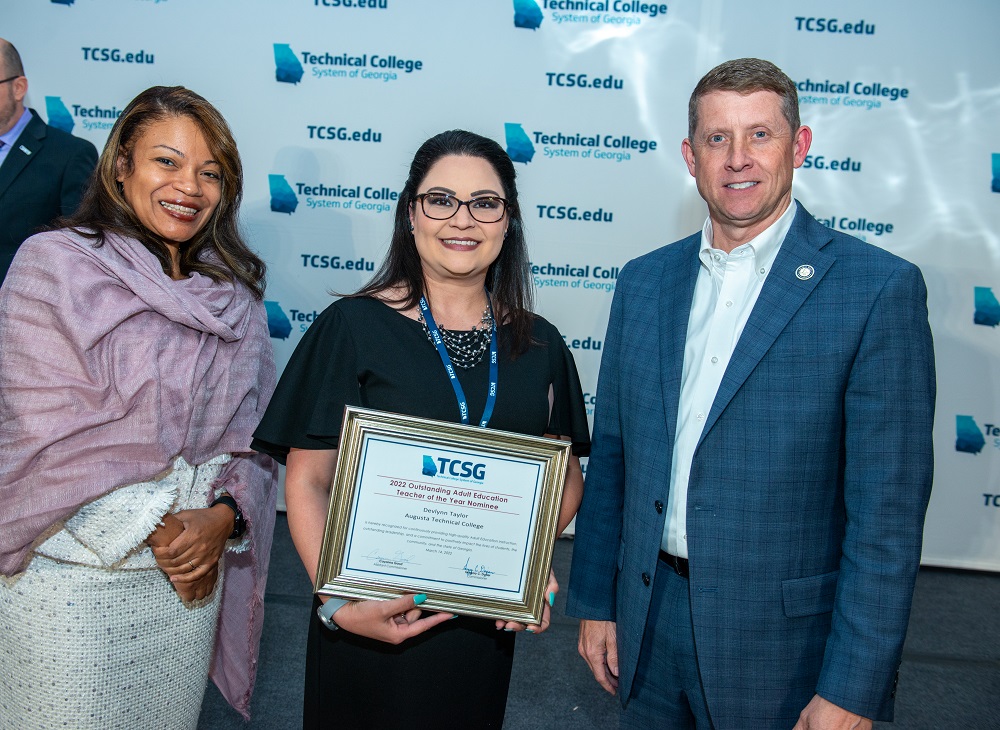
(361, 352)
(569, 412)
(320, 379)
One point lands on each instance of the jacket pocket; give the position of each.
(809, 596)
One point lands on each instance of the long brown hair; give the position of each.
(218, 249)
(508, 278)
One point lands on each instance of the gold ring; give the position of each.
(193, 566)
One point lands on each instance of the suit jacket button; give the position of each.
(659, 506)
(645, 579)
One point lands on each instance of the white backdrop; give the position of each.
(330, 98)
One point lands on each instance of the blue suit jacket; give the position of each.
(41, 178)
(808, 488)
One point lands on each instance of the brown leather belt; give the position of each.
(679, 565)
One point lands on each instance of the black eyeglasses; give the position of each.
(4, 81)
(441, 207)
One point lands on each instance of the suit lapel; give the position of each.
(31, 139)
(680, 272)
(780, 298)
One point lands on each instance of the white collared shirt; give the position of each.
(724, 295)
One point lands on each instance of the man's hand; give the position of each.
(390, 621)
(822, 714)
(598, 646)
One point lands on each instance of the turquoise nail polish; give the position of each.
(530, 631)
(453, 616)
(508, 629)
(552, 599)
(419, 598)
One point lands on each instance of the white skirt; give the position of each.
(87, 644)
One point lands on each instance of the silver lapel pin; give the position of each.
(805, 272)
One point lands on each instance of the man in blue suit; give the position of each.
(751, 524)
(43, 170)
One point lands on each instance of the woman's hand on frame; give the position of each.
(392, 621)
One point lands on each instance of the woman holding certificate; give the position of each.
(456, 273)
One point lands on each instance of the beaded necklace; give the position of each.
(465, 347)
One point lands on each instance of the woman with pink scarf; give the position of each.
(135, 362)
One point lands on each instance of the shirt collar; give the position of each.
(11, 136)
(763, 247)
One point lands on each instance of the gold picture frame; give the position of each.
(463, 514)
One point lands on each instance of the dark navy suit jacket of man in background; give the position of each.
(45, 169)
(809, 481)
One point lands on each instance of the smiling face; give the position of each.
(460, 248)
(742, 156)
(174, 185)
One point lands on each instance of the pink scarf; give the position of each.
(110, 370)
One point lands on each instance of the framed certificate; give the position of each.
(463, 514)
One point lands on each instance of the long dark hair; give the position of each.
(218, 249)
(508, 278)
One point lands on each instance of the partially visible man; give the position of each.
(43, 170)
(752, 519)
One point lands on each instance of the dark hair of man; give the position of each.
(217, 250)
(11, 60)
(745, 76)
(508, 278)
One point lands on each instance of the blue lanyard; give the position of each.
(463, 404)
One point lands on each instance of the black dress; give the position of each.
(361, 352)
